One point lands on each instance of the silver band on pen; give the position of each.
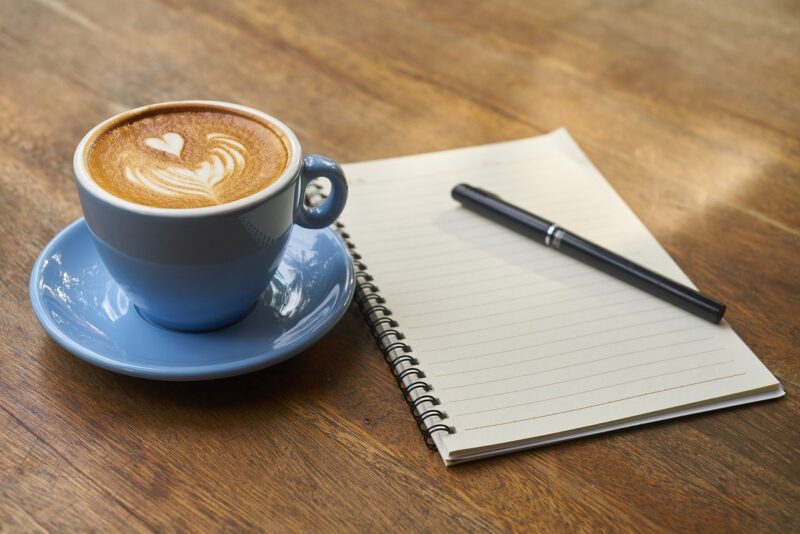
(557, 236)
(550, 231)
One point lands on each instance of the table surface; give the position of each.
(690, 109)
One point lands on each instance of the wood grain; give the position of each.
(692, 111)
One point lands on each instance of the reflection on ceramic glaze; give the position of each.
(299, 274)
(70, 295)
(285, 292)
(115, 301)
(298, 279)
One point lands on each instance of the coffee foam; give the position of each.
(186, 158)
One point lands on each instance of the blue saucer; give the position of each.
(84, 310)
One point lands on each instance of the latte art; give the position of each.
(226, 159)
(169, 142)
(187, 158)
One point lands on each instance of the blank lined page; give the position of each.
(519, 341)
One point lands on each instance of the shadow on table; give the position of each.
(99, 394)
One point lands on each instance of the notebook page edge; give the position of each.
(454, 458)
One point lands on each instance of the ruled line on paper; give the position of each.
(577, 364)
(520, 246)
(583, 377)
(493, 170)
(531, 252)
(663, 390)
(607, 236)
(570, 276)
(560, 265)
(481, 246)
(599, 388)
(499, 290)
(467, 264)
(434, 193)
(563, 353)
(570, 325)
(433, 202)
(417, 241)
(530, 319)
(480, 228)
(537, 345)
(444, 172)
(481, 249)
(501, 259)
(429, 200)
(451, 172)
(509, 311)
(511, 299)
(496, 237)
(467, 220)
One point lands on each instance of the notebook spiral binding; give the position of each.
(398, 354)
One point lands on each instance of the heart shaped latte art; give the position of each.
(226, 159)
(169, 142)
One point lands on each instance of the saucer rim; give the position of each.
(256, 362)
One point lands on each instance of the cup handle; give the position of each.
(315, 166)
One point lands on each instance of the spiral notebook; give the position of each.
(500, 344)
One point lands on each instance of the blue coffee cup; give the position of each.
(203, 268)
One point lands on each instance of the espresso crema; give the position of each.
(187, 157)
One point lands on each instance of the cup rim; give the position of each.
(284, 180)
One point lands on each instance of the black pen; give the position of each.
(493, 207)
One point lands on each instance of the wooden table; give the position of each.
(690, 109)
